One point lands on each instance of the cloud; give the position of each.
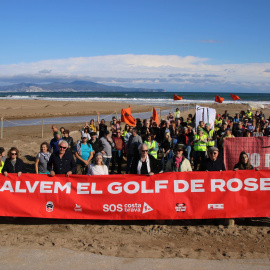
(170, 71)
(45, 71)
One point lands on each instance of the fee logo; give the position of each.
(216, 206)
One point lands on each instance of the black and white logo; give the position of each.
(180, 207)
(49, 206)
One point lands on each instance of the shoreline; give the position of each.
(12, 109)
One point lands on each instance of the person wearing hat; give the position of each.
(96, 143)
(98, 167)
(178, 163)
(84, 154)
(214, 162)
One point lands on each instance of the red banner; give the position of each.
(257, 148)
(187, 195)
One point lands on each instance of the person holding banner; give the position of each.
(145, 163)
(62, 162)
(214, 162)
(13, 163)
(42, 159)
(178, 163)
(244, 163)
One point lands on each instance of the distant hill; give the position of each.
(76, 86)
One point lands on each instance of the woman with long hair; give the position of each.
(243, 163)
(98, 167)
(13, 163)
(42, 159)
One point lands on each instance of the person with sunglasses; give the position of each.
(13, 163)
(214, 162)
(62, 161)
(145, 163)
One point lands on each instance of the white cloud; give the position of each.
(139, 70)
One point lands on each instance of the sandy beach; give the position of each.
(196, 239)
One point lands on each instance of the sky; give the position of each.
(176, 45)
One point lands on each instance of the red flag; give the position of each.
(219, 99)
(235, 97)
(127, 118)
(175, 97)
(155, 116)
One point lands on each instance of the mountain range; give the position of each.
(76, 86)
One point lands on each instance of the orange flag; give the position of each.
(235, 97)
(127, 118)
(175, 97)
(155, 116)
(219, 99)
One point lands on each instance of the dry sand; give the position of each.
(197, 239)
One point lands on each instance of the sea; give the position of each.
(148, 98)
(156, 99)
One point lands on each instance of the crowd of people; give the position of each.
(175, 145)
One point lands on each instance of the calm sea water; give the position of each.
(139, 97)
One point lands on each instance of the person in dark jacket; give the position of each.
(13, 163)
(213, 163)
(96, 143)
(144, 164)
(62, 162)
(68, 139)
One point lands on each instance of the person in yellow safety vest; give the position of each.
(177, 114)
(152, 145)
(211, 135)
(249, 114)
(2, 158)
(218, 121)
(200, 145)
